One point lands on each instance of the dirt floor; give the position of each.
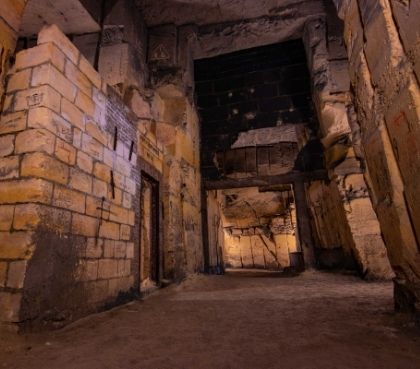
(246, 320)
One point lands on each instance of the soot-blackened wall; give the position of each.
(256, 88)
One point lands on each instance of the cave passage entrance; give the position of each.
(255, 228)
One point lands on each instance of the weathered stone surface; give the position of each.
(40, 165)
(16, 274)
(9, 306)
(6, 217)
(41, 54)
(53, 34)
(25, 190)
(68, 199)
(16, 245)
(9, 167)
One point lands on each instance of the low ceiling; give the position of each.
(70, 15)
(204, 12)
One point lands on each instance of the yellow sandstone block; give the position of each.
(43, 166)
(6, 217)
(52, 33)
(80, 181)
(9, 167)
(25, 190)
(19, 81)
(47, 74)
(69, 199)
(40, 55)
(16, 245)
(84, 225)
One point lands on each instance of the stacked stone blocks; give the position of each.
(62, 171)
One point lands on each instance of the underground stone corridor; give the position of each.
(241, 320)
(209, 184)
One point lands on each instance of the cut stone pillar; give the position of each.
(304, 225)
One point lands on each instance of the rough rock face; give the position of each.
(384, 73)
(259, 228)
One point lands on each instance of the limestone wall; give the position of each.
(346, 196)
(259, 228)
(383, 46)
(68, 188)
(11, 12)
(177, 131)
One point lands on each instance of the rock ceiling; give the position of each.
(204, 12)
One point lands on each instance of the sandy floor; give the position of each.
(313, 321)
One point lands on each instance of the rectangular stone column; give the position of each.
(304, 225)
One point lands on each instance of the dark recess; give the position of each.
(251, 89)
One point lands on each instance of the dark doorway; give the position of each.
(149, 232)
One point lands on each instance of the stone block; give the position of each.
(115, 196)
(7, 145)
(9, 167)
(10, 306)
(80, 180)
(90, 72)
(19, 81)
(108, 268)
(130, 250)
(77, 138)
(41, 165)
(125, 232)
(39, 55)
(100, 188)
(46, 118)
(93, 130)
(32, 216)
(94, 248)
(109, 248)
(74, 75)
(13, 122)
(26, 190)
(35, 140)
(44, 96)
(68, 199)
(402, 120)
(94, 206)
(353, 31)
(84, 162)
(383, 49)
(407, 15)
(72, 114)
(16, 245)
(109, 156)
(65, 152)
(88, 270)
(118, 214)
(16, 274)
(127, 200)
(53, 34)
(124, 267)
(131, 217)
(109, 230)
(47, 74)
(84, 225)
(102, 172)
(114, 63)
(3, 274)
(6, 217)
(27, 217)
(130, 186)
(85, 104)
(92, 147)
